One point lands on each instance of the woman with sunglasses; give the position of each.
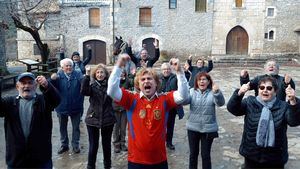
(264, 140)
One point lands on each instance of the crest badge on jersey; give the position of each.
(157, 114)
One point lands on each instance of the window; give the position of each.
(271, 35)
(266, 35)
(238, 3)
(145, 17)
(94, 17)
(36, 50)
(200, 5)
(172, 4)
(270, 12)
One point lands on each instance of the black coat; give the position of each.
(283, 115)
(280, 82)
(100, 111)
(150, 61)
(38, 148)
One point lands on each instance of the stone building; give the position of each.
(200, 27)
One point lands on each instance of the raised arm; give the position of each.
(210, 65)
(113, 88)
(157, 54)
(235, 104)
(293, 113)
(182, 93)
(88, 58)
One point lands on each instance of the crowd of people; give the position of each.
(148, 102)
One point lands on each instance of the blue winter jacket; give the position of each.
(71, 99)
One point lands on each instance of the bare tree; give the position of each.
(30, 16)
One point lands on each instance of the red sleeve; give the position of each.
(126, 100)
(170, 100)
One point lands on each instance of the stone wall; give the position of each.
(227, 16)
(180, 31)
(284, 23)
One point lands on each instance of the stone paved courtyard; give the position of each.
(224, 149)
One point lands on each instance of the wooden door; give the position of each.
(98, 51)
(237, 41)
(149, 46)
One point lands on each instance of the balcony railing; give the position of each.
(84, 1)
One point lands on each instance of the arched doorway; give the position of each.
(149, 46)
(237, 41)
(99, 51)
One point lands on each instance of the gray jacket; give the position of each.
(202, 117)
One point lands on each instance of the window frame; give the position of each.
(143, 20)
(172, 2)
(274, 11)
(199, 6)
(91, 21)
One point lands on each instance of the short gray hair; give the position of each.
(165, 64)
(66, 60)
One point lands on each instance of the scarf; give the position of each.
(265, 134)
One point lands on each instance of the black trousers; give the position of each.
(206, 140)
(162, 165)
(250, 164)
(94, 134)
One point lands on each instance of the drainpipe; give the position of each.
(113, 27)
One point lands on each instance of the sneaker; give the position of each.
(62, 150)
(117, 148)
(124, 147)
(170, 146)
(76, 150)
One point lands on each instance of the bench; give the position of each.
(40, 68)
(7, 81)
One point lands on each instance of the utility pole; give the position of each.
(113, 27)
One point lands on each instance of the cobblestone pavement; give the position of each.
(224, 152)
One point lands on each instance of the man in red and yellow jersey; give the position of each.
(147, 113)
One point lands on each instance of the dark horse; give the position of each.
(119, 46)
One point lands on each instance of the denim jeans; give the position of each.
(170, 126)
(94, 134)
(63, 128)
(194, 141)
(162, 165)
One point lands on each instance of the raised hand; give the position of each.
(88, 70)
(122, 60)
(190, 57)
(41, 80)
(215, 88)
(287, 79)
(176, 65)
(244, 73)
(244, 88)
(129, 42)
(155, 43)
(88, 47)
(54, 76)
(291, 95)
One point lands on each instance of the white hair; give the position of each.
(64, 61)
(165, 64)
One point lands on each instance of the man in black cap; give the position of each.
(28, 123)
(78, 64)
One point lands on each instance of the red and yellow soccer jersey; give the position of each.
(147, 121)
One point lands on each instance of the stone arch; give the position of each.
(237, 41)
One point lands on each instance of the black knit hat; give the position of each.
(75, 53)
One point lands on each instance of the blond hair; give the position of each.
(141, 73)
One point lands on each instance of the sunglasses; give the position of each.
(269, 88)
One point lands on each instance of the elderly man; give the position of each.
(68, 83)
(169, 83)
(272, 69)
(147, 113)
(28, 123)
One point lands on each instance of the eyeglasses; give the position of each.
(269, 88)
